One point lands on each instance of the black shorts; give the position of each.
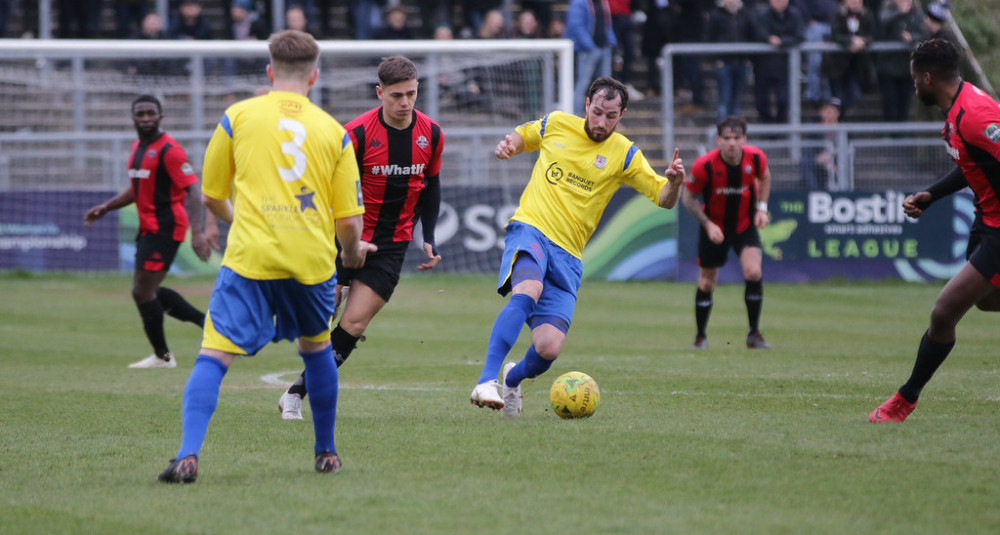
(713, 255)
(155, 253)
(983, 252)
(381, 269)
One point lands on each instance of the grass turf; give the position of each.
(728, 440)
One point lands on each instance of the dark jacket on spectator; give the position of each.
(817, 10)
(788, 26)
(199, 29)
(894, 23)
(836, 63)
(726, 27)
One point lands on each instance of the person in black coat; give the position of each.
(781, 26)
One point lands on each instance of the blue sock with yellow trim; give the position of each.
(322, 385)
(201, 395)
(506, 329)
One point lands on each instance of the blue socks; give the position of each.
(531, 366)
(201, 395)
(506, 329)
(322, 385)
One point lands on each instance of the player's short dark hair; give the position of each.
(937, 56)
(733, 122)
(609, 89)
(396, 69)
(148, 98)
(293, 52)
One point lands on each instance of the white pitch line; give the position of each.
(276, 380)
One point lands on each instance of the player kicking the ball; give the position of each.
(581, 163)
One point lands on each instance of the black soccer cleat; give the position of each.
(328, 463)
(184, 470)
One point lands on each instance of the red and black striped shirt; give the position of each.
(729, 192)
(395, 167)
(160, 174)
(972, 135)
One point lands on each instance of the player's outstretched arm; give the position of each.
(124, 198)
(676, 174)
(512, 144)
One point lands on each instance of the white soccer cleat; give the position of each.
(486, 395)
(511, 396)
(153, 361)
(290, 406)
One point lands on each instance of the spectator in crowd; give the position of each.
(588, 25)
(128, 16)
(543, 13)
(557, 28)
(624, 28)
(152, 28)
(189, 23)
(780, 26)
(850, 71)
(366, 18)
(817, 14)
(689, 20)
(395, 25)
(818, 164)
(473, 15)
(462, 88)
(656, 30)
(295, 19)
(730, 22)
(492, 26)
(935, 18)
(78, 19)
(526, 26)
(309, 15)
(900, 22)
(246, 25)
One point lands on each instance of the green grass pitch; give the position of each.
(723, 441)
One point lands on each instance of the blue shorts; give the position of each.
(562, 271)
(245, 314)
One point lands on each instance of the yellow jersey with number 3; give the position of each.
(291, 171)
(574, 178)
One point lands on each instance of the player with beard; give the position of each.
(165, 191)
(581, 163)
(972, 138)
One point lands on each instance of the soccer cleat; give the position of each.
(700, 342)
(511, 396)
(290, 406)
(486, 395)
(152, 361)
(756, 341)
(184, 470)
(328, 463)
(895, 409)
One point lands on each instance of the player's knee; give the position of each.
(548, 349)
(139, 295)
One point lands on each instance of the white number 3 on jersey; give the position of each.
(293, 148)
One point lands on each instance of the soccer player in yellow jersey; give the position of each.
(291, 169)
(581, 164)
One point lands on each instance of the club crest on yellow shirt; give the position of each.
(600, 161)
